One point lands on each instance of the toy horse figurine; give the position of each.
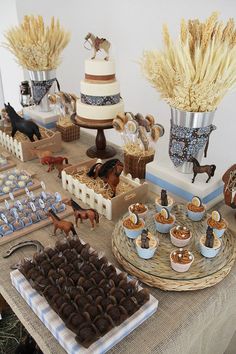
(60, 167)
(164, 198)
(64, 225)
(229, 179)
(209, 169)
(98, 44)
(109, 172)
(209, 237)
(18, 123)
(41, 153)
(51, 161)
(144, 239)
(83, 214)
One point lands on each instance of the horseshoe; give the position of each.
(12, 249)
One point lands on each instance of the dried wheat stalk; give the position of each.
(194, 73)
(36, 46)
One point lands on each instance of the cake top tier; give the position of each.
(99, 67)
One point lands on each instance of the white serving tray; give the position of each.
(64, 336)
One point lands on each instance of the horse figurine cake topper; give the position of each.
(97, 44)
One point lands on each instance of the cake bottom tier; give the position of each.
(109, 112)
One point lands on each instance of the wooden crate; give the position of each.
(69, 133)
(110, 208)
(10, 162)
(22, 150)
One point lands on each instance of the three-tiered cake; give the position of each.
(100, 92)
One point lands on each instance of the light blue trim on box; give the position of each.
(47, 125)
(181, 192)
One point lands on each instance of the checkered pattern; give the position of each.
(70, 133)
(67, 338)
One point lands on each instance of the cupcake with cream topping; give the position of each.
(133, 225)
(218, 224)
(181, 260)
(146, 244)
(195, 209)
(180, 236)
(164, 221)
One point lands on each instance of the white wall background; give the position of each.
(132, 26)
(11, 73)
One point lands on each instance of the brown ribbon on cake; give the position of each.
(100, 77)
(94, 121)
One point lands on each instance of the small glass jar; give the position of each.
(25, 94)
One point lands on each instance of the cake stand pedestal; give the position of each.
(100, 149)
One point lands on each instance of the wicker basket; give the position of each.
(136, 165)
(69, 133)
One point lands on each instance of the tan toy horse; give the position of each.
(97, 44)
(63, 225)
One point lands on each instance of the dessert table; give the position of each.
(196, 322)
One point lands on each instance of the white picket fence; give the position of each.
(12, 145)
(88, 196)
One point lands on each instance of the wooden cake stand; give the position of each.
(101, 149)
(157, 272)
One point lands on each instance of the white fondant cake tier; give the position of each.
(99, 89)
(98, 112)
(99, 67)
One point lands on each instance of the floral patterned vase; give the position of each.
(189, 137)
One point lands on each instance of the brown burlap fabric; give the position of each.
(192, 322)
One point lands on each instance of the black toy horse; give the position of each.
(18, 123)
(197, 168)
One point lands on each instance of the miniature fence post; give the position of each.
(64, 179)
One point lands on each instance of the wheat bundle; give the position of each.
(36, 46)
(195, 72)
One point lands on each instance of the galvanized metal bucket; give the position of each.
(191, 120)
(43, 77)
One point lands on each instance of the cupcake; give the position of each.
(195, 209)
(9, 183)
(218, 224)
(17, 224)
(209, 244)
(21, 184)
(181, 260)
(58, 207)
(146, 244)
(12, 177)
(180, 236)
(6, 189)
(6, 229)
(133, 225)
(140, 209)
(164, 201)
(164, 221)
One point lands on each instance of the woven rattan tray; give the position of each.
(157, 271)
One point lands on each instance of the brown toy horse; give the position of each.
(63, 225)
(51, 161)
(83, 214)
(197, 168)
(41, 153)
(109, 172)
(60, 167)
